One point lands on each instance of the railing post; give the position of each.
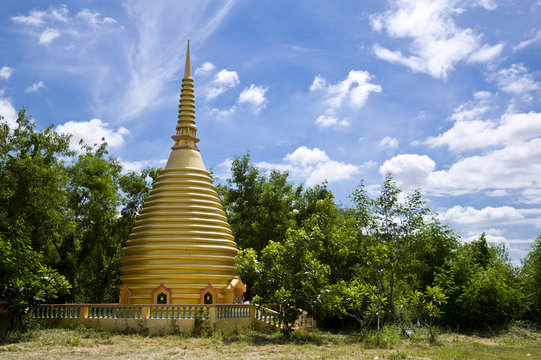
(212, 315)
(83, 314)
(145, 312)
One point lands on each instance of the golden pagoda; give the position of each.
(181, 249)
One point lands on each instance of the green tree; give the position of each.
(76, 212)
(400, 244)
(32, 213)
(355, 299)
(25, 280)
(259, 207)
(531, 275)
(397, 225)
(104, 204)
(249, 270)
(32, 182)
(482, 285)
(429, 304)
(292, 277)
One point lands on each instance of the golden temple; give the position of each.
(181, 249)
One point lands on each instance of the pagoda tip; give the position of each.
(188, 66)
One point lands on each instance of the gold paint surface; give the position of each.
(182, 237)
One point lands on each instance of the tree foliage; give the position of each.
(24, 278)
(531, 281)
(65, 216)
(259, 206)
(482, 286)
(429, 304)
(375, 252)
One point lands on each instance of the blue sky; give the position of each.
(444, 93)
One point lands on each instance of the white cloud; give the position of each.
(353, 91)
(473, 110)
(467, 112)
(413, 62)
(330, 120)
(488, 4)
(369, 164)
(313, 166)
(498, 193)
(479, 134)
(5, 72)
(318, 83)
(523, 44)
(149, 55)
(205, 69)
(486, 53)
(470, 215)
(227, 78)
(93, 18)
(140, 165)
(531, 196)
(223, 113)
(223, 81)
(304, 156)
(35, 87)
(493, 236)
(8, 112)
(60, 14)
(38, 18)
(410, 170)
(437, 42)
(48, 35)
(515, 80)
(515, 166)
(254, 96)
(389, 143)
(34, 18)
(223, 170)
(48, 25)
(91, 132)
(149, 75)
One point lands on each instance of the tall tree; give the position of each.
(402, 241)
(531, 277)
(259, 207)
(32, 182)
(292, 276)
(482, 285)
(74, 211)
(32, 213)
(104, 204)
(25, 279)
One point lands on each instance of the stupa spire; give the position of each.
(186, 130)
(188, 65)
(181, 249)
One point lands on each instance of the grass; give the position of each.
(77, 343)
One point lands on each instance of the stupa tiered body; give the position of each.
(181, 249)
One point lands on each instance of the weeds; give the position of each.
(79, 342)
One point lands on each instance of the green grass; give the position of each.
(76, 343)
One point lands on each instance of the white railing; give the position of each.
(175, 312)
(116, 311)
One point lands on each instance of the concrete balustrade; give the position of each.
(152, 318)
